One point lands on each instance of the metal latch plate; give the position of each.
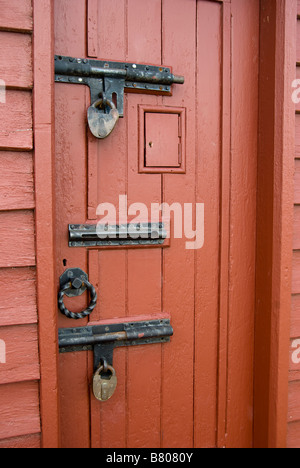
(89, 235)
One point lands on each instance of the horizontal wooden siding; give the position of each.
(20, 373)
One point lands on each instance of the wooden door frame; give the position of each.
(274, 220)
(44, 159)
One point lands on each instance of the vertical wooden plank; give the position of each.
(264, 223)
(245, 43)
(209, 85)
(94, 404)
(71, 207)
(224, 225)
(294, 383)
(274, 222)
(112, 25)
(44, 216)
(92, 28)
(70, 34)
(284, 127)
(144, 31)
(179, 50)
(144, 266)
(109, 420)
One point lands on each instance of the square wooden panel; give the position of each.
(161, 139)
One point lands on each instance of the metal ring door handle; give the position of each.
(74, 282)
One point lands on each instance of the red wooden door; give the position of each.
(197, 389)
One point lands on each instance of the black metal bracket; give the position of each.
(90, 235)
(103, 339)
(76, 278)
(109, 80)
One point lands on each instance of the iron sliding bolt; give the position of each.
(103, 339)
(133, 332)
(89, 235)
(130, 72)
(108, 81)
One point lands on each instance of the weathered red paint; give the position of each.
(230, 302)
(274, 222)
(157, 155)
(16, 16)
(149, 281)
(293, 429)
(20, 373)
(161, 140)
(43, 105)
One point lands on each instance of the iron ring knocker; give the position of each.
(75, 287)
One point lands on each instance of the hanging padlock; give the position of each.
(101, 124)
(104, 382)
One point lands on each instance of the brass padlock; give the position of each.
(101, 124)
(104, 386)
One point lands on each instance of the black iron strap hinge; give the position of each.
(103, 339)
